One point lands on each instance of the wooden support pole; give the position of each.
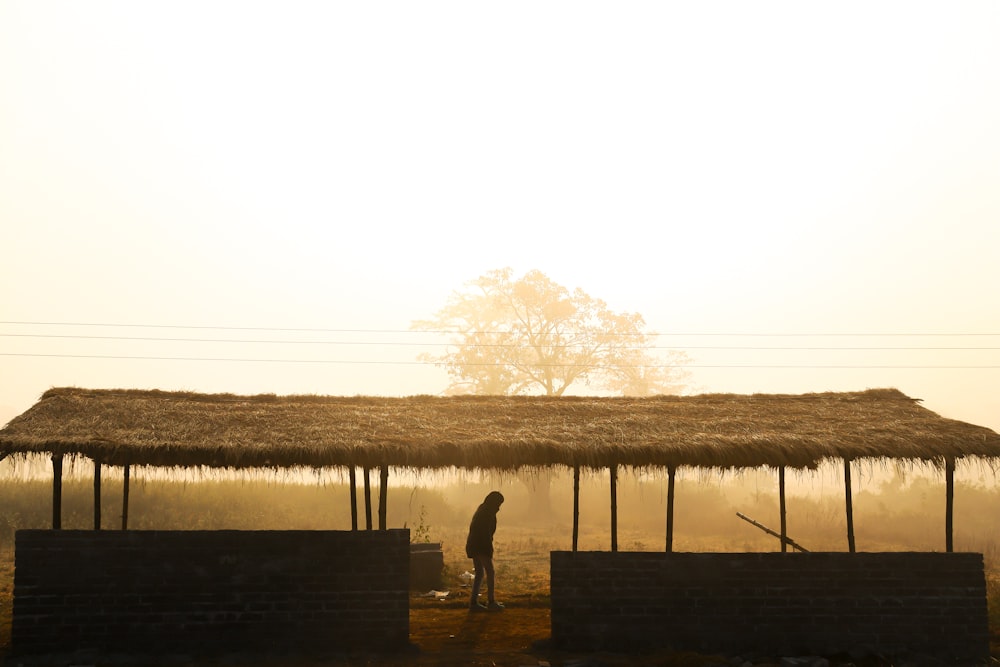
(97, 495)
(849, 495)
(949, 507)
(671, 475)
(57, 466)
(576, 506)
(368, 499)
(383, 496)
(614, 507)
(125, 482)
(354, 498)
(781, 506)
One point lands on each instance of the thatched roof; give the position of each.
(491, 432)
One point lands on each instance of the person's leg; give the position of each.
(477, 581)
(490, 579)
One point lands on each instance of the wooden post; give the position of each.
(614, 507)
(671, 474)
(576, 506)
(383, 496)
(781, 506)
(849, 495)
(97, 495)
(949, 507)
(354, 499)
(368, 499)
(125, 481)
(57, 465)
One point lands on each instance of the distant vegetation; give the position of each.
(531, 335)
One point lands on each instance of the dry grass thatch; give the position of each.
(493, 432)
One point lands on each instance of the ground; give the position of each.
(447, 634)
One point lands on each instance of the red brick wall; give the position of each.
(773, 604)
(179, 592)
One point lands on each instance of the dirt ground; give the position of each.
(442, 633)
(447, 634)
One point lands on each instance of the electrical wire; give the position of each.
(482, 345)
(398, 343)
(872, 334)
(434, 363)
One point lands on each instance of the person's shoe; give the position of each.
(477, 607)
(495, 606)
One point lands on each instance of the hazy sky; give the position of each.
(809, 171)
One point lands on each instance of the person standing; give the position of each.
(479, 547)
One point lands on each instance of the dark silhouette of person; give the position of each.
(479, 547)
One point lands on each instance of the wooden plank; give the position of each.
(792, 543)
(781, 505)
(57, 468)
(383, 496)
(576, 506)
(125, 484)
(614, 507)
(671, 475)
(849, 495)
(949, 509)
(97, 495)
(368, 498)
(354, 498)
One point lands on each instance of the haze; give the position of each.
(746, 175)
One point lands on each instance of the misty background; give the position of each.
(261, 197)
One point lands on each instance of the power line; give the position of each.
(203, 327)
(429, 363)
(483, 345)
(232, 340)
(398, 343)
(457, 331)
(231, 359)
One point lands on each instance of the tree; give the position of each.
(532, 336)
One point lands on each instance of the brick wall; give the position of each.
(774, 604)
(177, 592)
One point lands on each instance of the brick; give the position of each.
(209, 591)
(829, 602)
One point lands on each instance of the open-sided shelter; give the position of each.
(891, 601)
(724, 431)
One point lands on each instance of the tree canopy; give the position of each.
(530, 335)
